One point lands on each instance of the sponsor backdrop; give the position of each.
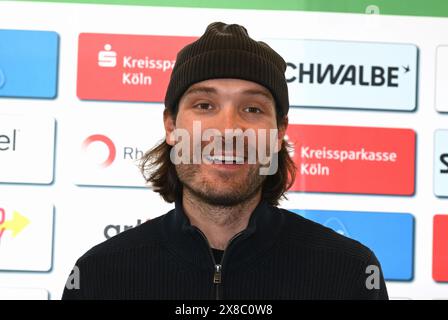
(81, 100)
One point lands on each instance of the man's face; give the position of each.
(224, 104)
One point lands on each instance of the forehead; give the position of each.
(228, 87)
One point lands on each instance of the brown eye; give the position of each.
(203, 106)
(253, 110)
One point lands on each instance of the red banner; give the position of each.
(440, 248)
(126, 67)
(353, 159)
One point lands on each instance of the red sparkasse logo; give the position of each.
(359, 160)
(126, 67)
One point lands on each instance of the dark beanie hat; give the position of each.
(227, 51)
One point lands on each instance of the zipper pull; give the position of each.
(217, 275)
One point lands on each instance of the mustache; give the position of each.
(219, 145)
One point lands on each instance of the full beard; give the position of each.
(227, 191)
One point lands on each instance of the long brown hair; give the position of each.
(160, 173)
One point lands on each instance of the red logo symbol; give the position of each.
(108, 142)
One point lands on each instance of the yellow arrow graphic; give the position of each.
(16, 224)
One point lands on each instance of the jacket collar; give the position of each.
(187, 242)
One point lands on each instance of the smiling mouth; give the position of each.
(224, 159)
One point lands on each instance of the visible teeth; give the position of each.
(226, 159)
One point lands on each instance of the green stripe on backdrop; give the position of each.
(430, 8)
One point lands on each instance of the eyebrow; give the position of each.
(213, 91)
(198, 90)
(258, 92)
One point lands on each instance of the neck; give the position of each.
(218, 223)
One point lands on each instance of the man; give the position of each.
(226, 238)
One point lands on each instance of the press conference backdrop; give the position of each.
(81, 99)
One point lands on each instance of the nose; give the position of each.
(228, 118)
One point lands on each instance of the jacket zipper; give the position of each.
(217, 279)
(217, 275)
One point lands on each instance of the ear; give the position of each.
(282, 132)
(170, 125)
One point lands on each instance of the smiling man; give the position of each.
(226, 238)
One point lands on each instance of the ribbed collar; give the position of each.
(185, 241)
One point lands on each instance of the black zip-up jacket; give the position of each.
(280, 255)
